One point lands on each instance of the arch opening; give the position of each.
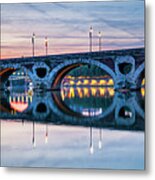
(15, 79)
(83, 74)
(125, 68)
(41, 108)
(125, 112)
(41, 72)
(5, 73)
(85, 89)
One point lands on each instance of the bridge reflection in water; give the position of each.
(81, 106)
(75, 117)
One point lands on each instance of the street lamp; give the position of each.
(46, 46)
(33, 137)
(33, 38)
(100, 139)
(99, 38)
(90, 38)
(91, 146)
(46, 135)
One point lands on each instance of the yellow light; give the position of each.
(78, 83)
(72, 92)
(143, 82)
(111, 91)
(102, 82)
(62, 94)
(143, 92)
(68, 77)
(93, 82)
(110, 82)
(86, 82)
(102, 91)
(71, 82)
(93, 91)
(79, 90)
(86, 92)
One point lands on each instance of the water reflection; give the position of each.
(70, 146)
(75, 106)
(90, 134)
(83, 92)
(86, 101)
(19, 102)
(92, 125)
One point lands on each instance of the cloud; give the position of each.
(67, 24)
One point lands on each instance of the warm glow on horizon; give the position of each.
(67, 25)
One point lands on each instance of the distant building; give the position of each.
(20, 79)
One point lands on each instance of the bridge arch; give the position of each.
(72, 117)
(62, 69)
(7, 70)
(5, 73)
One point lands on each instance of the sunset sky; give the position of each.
(67, 24)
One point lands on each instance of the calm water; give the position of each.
(82, 127)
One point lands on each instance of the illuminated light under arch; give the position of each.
(59, 72)
(19, 106)
(110, 82)
(111, 92)
(143, 82)
(102, 91)
(143, 91)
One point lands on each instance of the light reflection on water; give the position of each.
(84, 100)
(83, 92)
(68, 146)
(41, 144)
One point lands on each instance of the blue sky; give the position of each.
(66, 25)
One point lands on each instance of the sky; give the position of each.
(66, 25)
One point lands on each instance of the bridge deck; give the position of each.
(138, 54)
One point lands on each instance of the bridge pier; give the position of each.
(124, 70)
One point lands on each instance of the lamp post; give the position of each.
(100, 139)
(46, 135)
(33, 137)
(99, 40)
(90, 38)
(33, 38)
(46, 46)
(91, 146)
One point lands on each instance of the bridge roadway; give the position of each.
(48, 71)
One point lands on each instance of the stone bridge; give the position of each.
(126, 67)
